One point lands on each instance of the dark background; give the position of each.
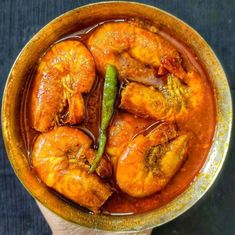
(214, 20)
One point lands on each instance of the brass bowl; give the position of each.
(80, 18)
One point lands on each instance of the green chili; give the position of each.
(108, 101)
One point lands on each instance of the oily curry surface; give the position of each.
(118, 117)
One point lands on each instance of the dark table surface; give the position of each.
(214, 20)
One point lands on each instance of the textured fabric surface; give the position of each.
(214, 20)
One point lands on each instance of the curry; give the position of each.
(118, 117)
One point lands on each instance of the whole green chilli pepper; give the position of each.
(108, 101)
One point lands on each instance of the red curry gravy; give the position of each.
(200, 126)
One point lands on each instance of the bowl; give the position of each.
(80, 18)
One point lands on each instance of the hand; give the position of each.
(60, 226)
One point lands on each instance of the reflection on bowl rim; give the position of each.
(130, 223)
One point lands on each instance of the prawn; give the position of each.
(149, 162)
(61, 159)
(64, 73)
(173, 101)
(136, 52)
(121, 131)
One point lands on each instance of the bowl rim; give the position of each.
(129, 228)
